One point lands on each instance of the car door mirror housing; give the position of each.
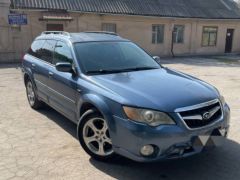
(157, 58)
(64, 67)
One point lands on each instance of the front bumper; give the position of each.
(170, 141)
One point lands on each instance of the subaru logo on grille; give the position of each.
(206, 116)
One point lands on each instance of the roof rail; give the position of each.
(55, 32)
(102, 32)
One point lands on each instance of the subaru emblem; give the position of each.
(206, 116)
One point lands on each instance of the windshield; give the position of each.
(113, 57)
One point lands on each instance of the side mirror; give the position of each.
(64, 67)
(157, 58)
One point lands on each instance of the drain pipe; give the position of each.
(172, 44)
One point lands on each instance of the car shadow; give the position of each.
(221, 163)
(60, 120)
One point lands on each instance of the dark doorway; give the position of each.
(54, 27)
(229, 40)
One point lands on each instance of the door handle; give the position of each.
(50, 73)
(33, 65)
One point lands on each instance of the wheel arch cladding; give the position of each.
(94, 101)
(28, 75)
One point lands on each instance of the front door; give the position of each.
(42, 54)
(62, 86)
(229, 40)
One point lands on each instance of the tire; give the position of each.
(32, 96)
(93, 135)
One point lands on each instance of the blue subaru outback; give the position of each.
(123, 101)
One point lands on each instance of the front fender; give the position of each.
(101, 106)
(96, 101)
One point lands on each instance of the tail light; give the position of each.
(22, 57)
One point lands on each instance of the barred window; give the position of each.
(209, 36)
(178, 34)
(157, 33)
(110, 27)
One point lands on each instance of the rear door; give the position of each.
(38, 68)
(42, 68)
(63, 85)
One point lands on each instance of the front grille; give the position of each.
(202, 116)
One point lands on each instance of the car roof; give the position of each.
(97, 36)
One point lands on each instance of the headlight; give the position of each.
(222, 99)
(150, 117)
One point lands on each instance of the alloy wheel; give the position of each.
(96, 137)
(30, 93)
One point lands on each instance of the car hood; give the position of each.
(159, 89)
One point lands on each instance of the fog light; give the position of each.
(147, 150)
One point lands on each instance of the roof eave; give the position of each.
(121, 14)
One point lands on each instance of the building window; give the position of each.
(178, 34)
(109, 27)
(54, 27)
(209, 36)
(157, 34)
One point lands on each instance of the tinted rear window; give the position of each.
(47, 50)
(35, 49)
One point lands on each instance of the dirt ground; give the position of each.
(43, 144)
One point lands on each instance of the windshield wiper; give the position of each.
(139, 68)
(110, 71)
(102, 71)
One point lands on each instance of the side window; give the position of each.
(35, 49)
(47, 50)
(62, 53)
